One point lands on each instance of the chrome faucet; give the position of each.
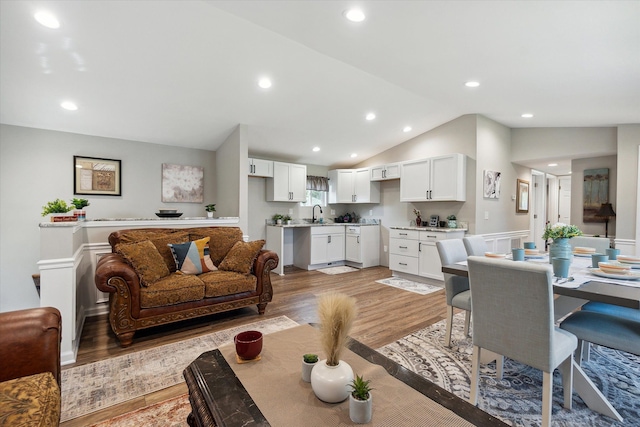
(313, 213)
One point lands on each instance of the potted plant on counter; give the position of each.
(277, 219)
(287, 219)
(210, 208)
(360, 400)
(80, 204)
(55, 207)
(452, 221)
(309, 360)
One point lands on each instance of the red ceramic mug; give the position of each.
(248, 344)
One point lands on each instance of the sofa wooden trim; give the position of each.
(115, 276)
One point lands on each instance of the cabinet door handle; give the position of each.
(402, 234)
(420, 247)
(402, 263)
(384, 173)
(329, 239)
(432, 237)
(402, 247)
(358, 239)
(430, 194)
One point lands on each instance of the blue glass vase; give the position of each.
(560, 248)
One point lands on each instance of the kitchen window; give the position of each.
(317, 189)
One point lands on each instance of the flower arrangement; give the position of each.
(336, 312)
(416, 212)
(560, 230)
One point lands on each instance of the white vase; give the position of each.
(306, 371)
(360, 410)
(331, 383)
(209, 214)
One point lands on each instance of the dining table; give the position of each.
(583, 284)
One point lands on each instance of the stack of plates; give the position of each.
(584, 252)
(633, 261)
(614, 267)
(533, 254)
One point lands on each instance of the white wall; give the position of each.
(36, 166)
(627, 216)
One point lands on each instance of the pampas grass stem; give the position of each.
(336, 312)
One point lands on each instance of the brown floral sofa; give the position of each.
(30, 367)
(157, 276)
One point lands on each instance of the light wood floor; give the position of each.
(385, 315)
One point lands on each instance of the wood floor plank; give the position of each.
(385, 314)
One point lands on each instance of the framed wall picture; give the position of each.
(96, 176)
(522, 196)
(491, 184)
(182, 183)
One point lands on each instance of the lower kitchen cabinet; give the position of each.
(317, 247)
(362, 247)
(414, 251)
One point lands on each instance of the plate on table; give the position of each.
(582, 254)
(626, 259)
(494, 255)
(628, 276)
(169, 214)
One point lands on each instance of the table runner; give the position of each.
(275, 385)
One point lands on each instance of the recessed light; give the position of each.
(406, 129)
(527, 115)
(370, 116)
(354, 155)
(354, 15)
(68, 105)
(472, 84)
(264, 83)
(47, 19)
(552, 164)
(316, 148)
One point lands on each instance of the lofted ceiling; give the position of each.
(185, 73)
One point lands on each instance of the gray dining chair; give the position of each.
(475, 245)
(456, 288)
(512, 305)
(601, 244)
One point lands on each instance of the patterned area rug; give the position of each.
(408, 285)
(170, 413)
(337, 270)
(95, 386)
(517, 399)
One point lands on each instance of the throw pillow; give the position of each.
(241, 256)
(192, 257)
(162, 244)
(145, 260)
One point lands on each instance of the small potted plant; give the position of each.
(210, 208)
(360, 400)
(452, 221)
(277, 219)
(416, 212)
(309, 360)
(57, 206)
(287, 219)
(80, 204)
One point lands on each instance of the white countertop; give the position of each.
(435, 229)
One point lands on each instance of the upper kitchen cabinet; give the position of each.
(289, 183)
(440, 178)
(259, 167)
(384, 172)
(352, 186)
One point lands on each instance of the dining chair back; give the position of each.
(456, 287)
(513, 315)
(475, 245)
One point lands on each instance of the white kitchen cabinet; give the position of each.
(318, 246)
(362, 246)
(259, 167)
(289, 183)
(352, 186)
(385, 172)
(414, 251)
(440, 178)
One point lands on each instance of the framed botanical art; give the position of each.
(522, 196)
(96, 176)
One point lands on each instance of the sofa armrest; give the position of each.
(30, 342)
(265, 262)
(114, 265)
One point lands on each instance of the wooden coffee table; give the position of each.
(218, 397)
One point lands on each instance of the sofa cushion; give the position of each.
(30, 401)
(241, 256)
(221, 283)
(192, 257)
(135, 236)
(222, 240)
(173, 289)
(145, 260)
(161, 243)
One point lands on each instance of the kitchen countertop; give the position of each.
(436, 229)
(324, 224)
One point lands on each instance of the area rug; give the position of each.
(517, 399)
(170, 413)
(337, 270)
(409, 285)
(95, 386)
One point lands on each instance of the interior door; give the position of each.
(538, 208)
(564, 199)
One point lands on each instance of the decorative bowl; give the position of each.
(248, 344)
(614, 268)
(167, 211)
